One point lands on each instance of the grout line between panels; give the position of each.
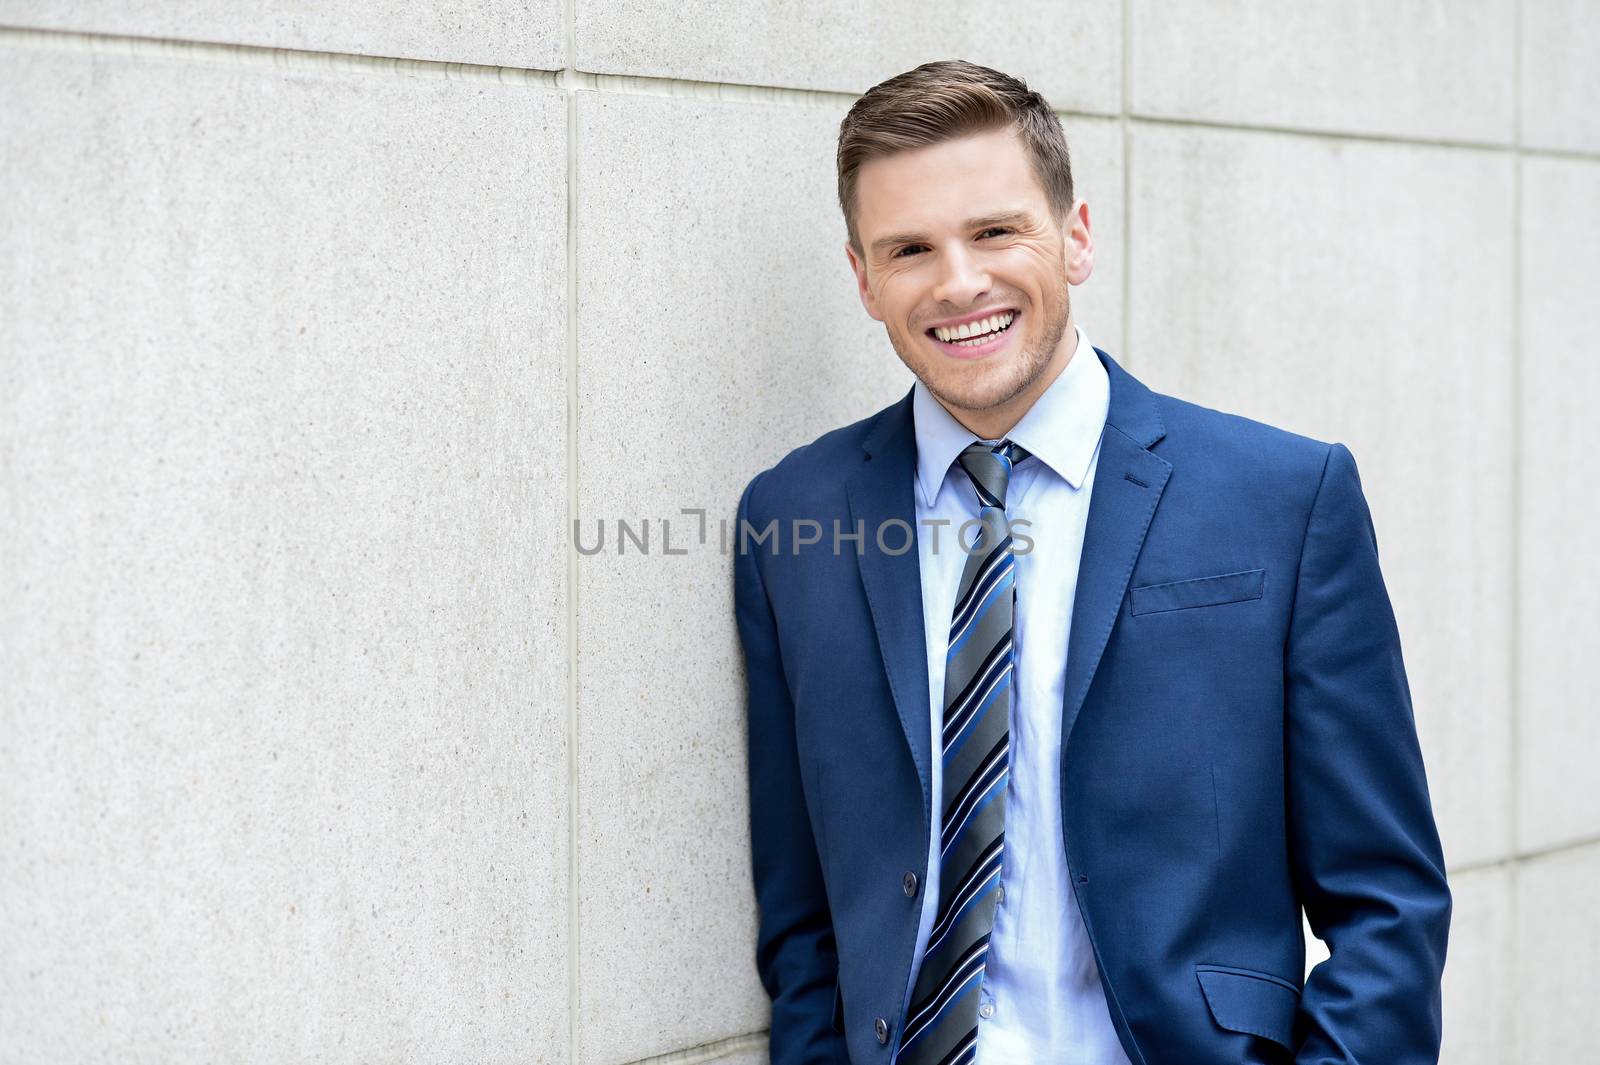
(574, 835)
(1514, 673)
(708, 1052)
(1521, 858)
(260, 55)
(568, 78)
(1342, 135)
(1127, 185)
(1514, 751)
(1525, 152)
(1349, 136)
(571, 79)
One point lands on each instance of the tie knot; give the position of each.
(990, 466)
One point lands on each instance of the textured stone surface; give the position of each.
(282, 602)
(719, 328)
(1417, 70)
(1355, 292)
(1558, 570)
(1097, 175)
(1560, 74)
(1069, 52)
(512, 33)
(1479, 988)
(1558, 938)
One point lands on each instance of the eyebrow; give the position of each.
(981, 222)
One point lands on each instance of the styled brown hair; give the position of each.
(941, 101)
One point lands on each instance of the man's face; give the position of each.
(962, 230)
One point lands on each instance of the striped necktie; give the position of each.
(941, 1027)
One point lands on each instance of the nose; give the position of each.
(963, 280)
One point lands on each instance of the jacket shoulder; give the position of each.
(1248, 446)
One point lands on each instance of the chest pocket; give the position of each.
(1214, 590)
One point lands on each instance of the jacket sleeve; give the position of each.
(795, 952)
(1364, 849)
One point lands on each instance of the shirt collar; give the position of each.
(1062, 428)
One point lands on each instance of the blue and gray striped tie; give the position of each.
(942, 1025)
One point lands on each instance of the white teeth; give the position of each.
(993, 323)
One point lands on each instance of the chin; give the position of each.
(993, 388)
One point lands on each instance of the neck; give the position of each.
(995, 422)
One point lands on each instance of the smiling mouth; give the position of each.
(980, 339)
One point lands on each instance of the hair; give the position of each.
(941, 101)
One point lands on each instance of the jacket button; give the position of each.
(881, 1027)
(909, 882)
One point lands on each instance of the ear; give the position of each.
(863, 289)
(1079, 249)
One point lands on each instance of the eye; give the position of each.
(902, 252)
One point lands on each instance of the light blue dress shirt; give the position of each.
(1041, 1000)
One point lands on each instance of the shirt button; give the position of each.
(986, 1010)
(881, 1027)
(909, 883)
(1000, 893)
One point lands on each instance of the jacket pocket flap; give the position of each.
(1243, 1000)
(1198, 591)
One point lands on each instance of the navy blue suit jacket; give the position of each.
(1238, 744)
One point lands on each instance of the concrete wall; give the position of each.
(319, 326)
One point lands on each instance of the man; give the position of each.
(1084, 691)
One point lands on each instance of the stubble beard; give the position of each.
(990, 390)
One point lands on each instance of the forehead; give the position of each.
(944, 184)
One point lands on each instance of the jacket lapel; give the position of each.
(1128, 483)
(879, 492)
